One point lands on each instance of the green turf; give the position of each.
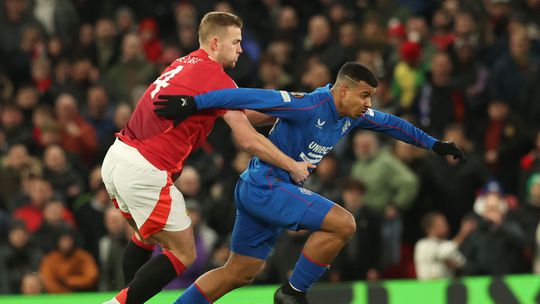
(256, 294)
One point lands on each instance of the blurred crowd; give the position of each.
(71, 72)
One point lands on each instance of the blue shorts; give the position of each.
(262, 211)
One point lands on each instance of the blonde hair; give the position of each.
(214, 22)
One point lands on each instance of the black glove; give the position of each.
(449, 148)
(177, 107)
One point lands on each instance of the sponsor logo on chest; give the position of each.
(320, 123)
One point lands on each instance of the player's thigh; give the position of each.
(151, 197)
(108, 168)
(253, 237)
(295, 208)
(156, 209)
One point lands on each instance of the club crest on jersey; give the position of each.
(298, 94)
(320, 123)
(346, 127)
(305, 191)
(370, 112)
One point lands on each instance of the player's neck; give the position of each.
(209, 52)
(337, 101)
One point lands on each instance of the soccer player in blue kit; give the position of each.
(268, 200)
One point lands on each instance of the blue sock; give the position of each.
(192, 295)
(306, 273)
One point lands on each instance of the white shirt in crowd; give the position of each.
(432, 258)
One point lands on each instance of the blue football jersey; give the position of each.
(308, 125)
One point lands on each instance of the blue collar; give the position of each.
(326, 90)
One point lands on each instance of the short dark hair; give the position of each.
(357, 72)
(428, 219)
(350, 184)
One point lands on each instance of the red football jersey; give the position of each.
(162, 144)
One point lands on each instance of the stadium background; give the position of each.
(71, 71)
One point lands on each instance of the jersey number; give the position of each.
(163, 80)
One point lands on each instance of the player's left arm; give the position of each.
(405, 131)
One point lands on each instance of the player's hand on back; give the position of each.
(175, 107)
(300, 172)
(449, 148)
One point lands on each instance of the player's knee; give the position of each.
(187, 257)
(348, 226)
(239, 277)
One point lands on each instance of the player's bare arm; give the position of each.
(256, 144)
(259, 119)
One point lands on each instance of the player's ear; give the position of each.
(214, 43)
(343, 88)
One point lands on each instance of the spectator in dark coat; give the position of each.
(17, 257)
(360, 259)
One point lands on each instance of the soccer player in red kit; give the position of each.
(148, 155)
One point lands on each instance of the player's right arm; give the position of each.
(258, 119)
(258, 145)
(279, 104)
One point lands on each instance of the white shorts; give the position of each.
(143, 192)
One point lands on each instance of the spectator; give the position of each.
(221, 212)
(149, 33)
(495, 247)
(515, 72)
(418, 32)
(470, 76)
(17, 257)
(131, 70)
(438, 103)
(529, 211)
(435, 257)
(389, 183)
(51, 226)
(451, 188)
(13, 126)
(62, 176)
(408, 74)
(390, 189)
(529, 165)
(361, 257)
(12, 167)
(31, 284)
(59, 18)
(319, 43)
(69, 268)
(107, 46)
(89, 210)
(442, 29)
(126, 21)
(40, 193)
(189, 183)
(99, 112)
(76, 135)
(501, 139)
(111, 251)
(15, 15)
